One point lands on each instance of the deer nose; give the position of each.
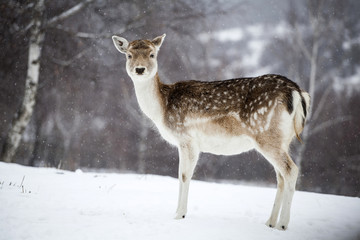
(140, 70)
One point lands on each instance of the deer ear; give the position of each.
(158, 41)
(120, 43)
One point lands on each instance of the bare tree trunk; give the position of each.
(36, 148)
(67, 134)
(312, 57)
(305, 134)
(23, 117)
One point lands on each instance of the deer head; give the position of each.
(141, 56)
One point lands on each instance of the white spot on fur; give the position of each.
(269, 117)
(262, 110)
(252, 123)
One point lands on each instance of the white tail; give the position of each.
(222, 117)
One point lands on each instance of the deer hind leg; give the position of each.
(188, 157)
(290, 174)
(287, 173)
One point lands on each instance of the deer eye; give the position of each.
(152, 55)
(129, 56)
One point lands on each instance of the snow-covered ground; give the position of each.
(39, 203)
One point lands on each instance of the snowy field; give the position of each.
(39, 203)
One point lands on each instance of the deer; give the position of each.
(224, 117)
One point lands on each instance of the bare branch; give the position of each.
(66, 63)
(68, 13)
(100, 35)
(88, 35)
(57, 18)
(300, 42)
(321, 103)
(24, 30)
(329, 123)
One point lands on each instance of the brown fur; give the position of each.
(243, 96)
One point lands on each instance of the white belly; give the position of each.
(224, 145)
(219, 144)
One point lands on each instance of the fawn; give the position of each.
(221, 117)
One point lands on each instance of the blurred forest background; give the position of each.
(86, 115)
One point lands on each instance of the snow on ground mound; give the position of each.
(39, 203)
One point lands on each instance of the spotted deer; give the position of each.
(221, 117)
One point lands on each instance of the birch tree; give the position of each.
(37, 28)
(22, 118)
(309, 41)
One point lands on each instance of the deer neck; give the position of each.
(149, 97)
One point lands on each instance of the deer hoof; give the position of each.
(179, 216)
(270, 224)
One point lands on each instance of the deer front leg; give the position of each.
(188, 157)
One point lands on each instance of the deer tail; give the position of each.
(301, 100)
